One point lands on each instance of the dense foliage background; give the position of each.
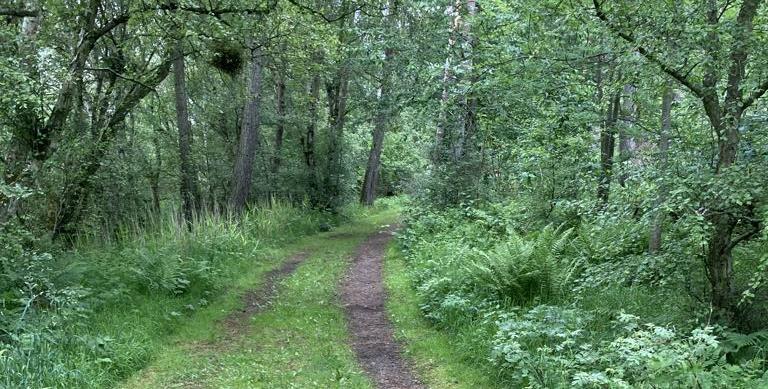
(585, 178)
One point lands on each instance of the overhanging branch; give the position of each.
(648, 54)
(313, 11)
(219, 11)
(755, 95)
(118, 75)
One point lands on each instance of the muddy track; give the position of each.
(372, 337)
(257, 300)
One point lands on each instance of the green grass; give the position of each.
(299, 342)
(118, 302)
(441, 360)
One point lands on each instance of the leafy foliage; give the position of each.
(541, 305)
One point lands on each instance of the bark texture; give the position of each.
(308, 141)
(607, 147)
(337, 92)
(280, 125)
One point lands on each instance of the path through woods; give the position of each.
(364, 304)
(316, 320)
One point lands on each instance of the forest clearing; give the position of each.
(383, 194)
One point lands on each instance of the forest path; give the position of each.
(328, 311)
(363, 295)
(287, 327)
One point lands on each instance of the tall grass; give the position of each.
(90, 315)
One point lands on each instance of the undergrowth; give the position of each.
(577, 304)
(93, 314)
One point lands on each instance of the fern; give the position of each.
(525, 269)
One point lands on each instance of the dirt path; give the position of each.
(373, 341)
(256, 300)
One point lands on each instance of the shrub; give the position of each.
(524, 270)
(547, 347)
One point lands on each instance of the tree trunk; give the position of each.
(607, 147)
(154, 176)
(451, 138)
(280, 126)
(719, 259)
(249, 134)
(654, 241)
(469, 104)
(190, 194)
(308, 141)
(725, 119)
(383, 111)
(626, 141)
(337, 104)
(442, 132)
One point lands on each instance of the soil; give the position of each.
(372, 338)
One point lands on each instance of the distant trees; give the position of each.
(93, 112)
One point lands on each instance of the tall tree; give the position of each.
(381, 122)
(281, 118)
(627, 141)
(654, 241)
(454, 129)
(607, 149)
(337, 92)
(249, 136)
(308, 140)
(190, 194)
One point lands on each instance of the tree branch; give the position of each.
(756, 94)
(118, 75)
(756, 228)
(109, 26)
(138, 93)
(322, 15)
(173, 6)
(649, 55)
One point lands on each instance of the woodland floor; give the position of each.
(321, 319)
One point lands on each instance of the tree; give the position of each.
(654, 241)
(383, 112)
(724, 107)
(280, 125)
(190, 194)
(249, 136)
